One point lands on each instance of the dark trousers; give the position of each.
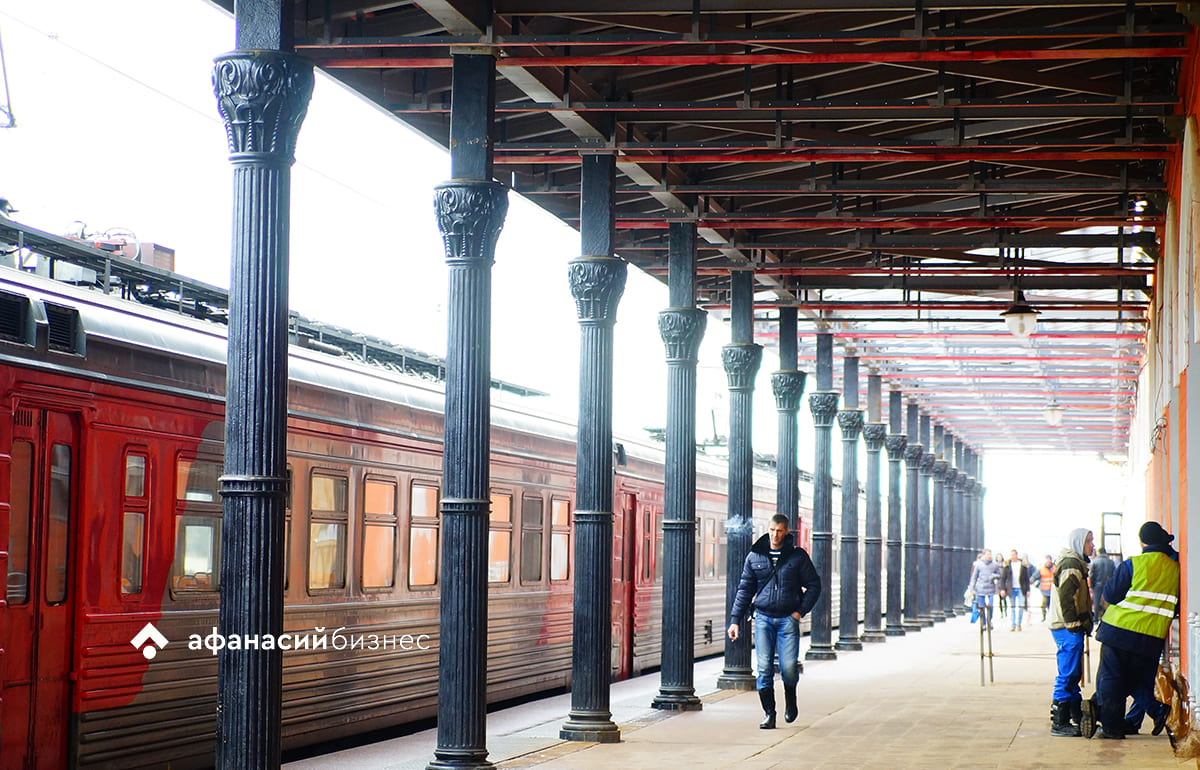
(1121, 674)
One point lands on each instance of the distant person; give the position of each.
(1099, 573)
(781, 585)
(1143, 598)
(1046, 573)
(1013, 579)
(985, 579)
(1070, 624)
(1003, 597)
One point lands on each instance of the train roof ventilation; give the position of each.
(66, 331)
(15, 318)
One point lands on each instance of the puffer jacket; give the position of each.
(794, 587)
(984, 578)
(1070, 602)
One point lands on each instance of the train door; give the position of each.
(39, 594)
(624, 543)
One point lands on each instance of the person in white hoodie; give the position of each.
(1070, 623)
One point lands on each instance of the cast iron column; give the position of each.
(874, 434)
(741, 359)
(948, 551)
(682, 328)
(961, 549)
(937, 599)
(912, 542)
(850, 420)
(597, 282)
(788, 385)
(470, 213)
(924, 571)
(896, 443)
(824, 406)
(263, 96)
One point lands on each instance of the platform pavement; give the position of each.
(911, 702)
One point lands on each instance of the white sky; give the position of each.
(117, 127)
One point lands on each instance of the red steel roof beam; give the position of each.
(983, 154)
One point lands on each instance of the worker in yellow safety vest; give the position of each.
(1143, 598)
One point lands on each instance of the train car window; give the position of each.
(197, 565)
(658, 545)
(379, 534)
(710, 548)
(423, 536)
(560, 539)
(135, 476)
(287, 529)
(647, 543)
(500, 538)
(328, 524)
(58, 546)
(532, 518)
(21, 484)
(196, 480)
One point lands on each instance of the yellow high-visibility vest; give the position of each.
(1150, 603)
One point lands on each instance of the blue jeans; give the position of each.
(777, 635)
(983, 606)
(1070, 665)
(1017, 600)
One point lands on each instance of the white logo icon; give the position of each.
(149, 634)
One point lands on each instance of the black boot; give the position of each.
(767, 696)
(1060, 720)
(1089, 716)
(790, 709)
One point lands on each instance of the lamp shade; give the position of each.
(1020, 317)
(1053, 414)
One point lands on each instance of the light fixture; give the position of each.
(1052, 413)
(1020, 317)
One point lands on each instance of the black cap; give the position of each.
(1152, 533)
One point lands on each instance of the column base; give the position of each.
(940, 617)
(894, 631)
(912, 626)
(925, 621)
(676, 702)
(595, 731)
(959, 611)
(852, 644)
(824, 652)
(874, 635)
(733, 679)
(452, 760)
(949, 613)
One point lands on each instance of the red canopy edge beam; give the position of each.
(927, 272)
(751, 59)
(994, 307)
(1035, 142)
(877, 223)
(1014, 376)
(959, 335)
(1062, 394)
(1009, 358)
(990, 155)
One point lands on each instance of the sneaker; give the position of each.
(1018, 628)
(1087, 717)
(1012, 628)
(1160, 723)
(1102, 733)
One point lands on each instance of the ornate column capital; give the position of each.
(927, 461)
(874, 433)
(741, 361)
(681, 329)
(597, 284)
(939, 469)
(788, 386)
(263, 97)
(913, 454)
(823, 404)
(470, 215)
(851, 423)
(896, 444)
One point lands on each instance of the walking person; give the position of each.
(985, 579)
(1046, 573)
(1143, 598)
(1070, 623)
(1099, 573)
(1013, 579)
(781, 585)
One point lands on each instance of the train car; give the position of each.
(111, 520)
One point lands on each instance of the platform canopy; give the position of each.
(897, 170)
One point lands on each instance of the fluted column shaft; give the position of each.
(470, 214)
(896, 444)
(851, 422)
(741, 362)
(912, 541)
(823, 405)
(937, 544)
(682, 330)
(874, 434)
(924, 570)
(263, 97)
(596, 284)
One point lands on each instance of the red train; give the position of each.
(110, 517)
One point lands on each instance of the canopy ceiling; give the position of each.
(896, 170)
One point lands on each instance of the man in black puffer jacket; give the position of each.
(782, 585)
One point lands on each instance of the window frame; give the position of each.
(540, 531)
(209, 510)
(137, 505)
(564, 530)
(504, 527)
(416, 522)
(376, 520)
(328, 517)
